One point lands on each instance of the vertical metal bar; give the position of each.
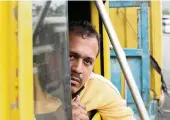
(25, 48)
(122, 60)
(156, 43)
(4, 67)
(95, 21)
(66, 72)
(145, 52)
(123, 86)
(13, 64)
(106, 49)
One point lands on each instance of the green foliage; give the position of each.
(166, 11)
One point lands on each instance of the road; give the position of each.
(166, 57)
(165, 110)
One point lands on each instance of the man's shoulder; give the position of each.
(99, 80)
(97, 90)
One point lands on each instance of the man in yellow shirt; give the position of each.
(98, 93)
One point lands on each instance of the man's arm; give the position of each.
(113, 106)
(101, 95)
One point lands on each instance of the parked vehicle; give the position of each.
(35, 33)
(166, 23)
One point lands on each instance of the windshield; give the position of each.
(51, 69)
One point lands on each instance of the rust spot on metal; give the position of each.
(17, 72)
(15, 12)
(14, 105)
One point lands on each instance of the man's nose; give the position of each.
(78, 67)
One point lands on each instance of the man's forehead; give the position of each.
(82, 55)
(85, 44)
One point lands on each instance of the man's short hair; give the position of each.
(85, 29)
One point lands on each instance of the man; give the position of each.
(98, 93)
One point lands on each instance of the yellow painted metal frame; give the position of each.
(13, 64)
(125, 24)
(8, 61)
(95, 22)
(130, 22)
(118, 22)
(156, 43)
(123, 86)
(106, 43)
(106, 47)
(128, 38)
(4, 60)
(16, 54)
(25, 48)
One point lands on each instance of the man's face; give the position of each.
(83, 52)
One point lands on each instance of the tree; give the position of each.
(166, 11)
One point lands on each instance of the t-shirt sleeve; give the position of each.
(114, 107)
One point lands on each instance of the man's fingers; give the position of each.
(75, 105)
(77, 99)
(82, 111)
(83, 117)
(77, 102)
(78, 106)
(79, 111)
(82, 106)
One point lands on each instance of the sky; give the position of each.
(165, 4)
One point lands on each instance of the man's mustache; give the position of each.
(75, 75)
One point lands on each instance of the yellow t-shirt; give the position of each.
(101, 95)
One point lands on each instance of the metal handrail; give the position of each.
(41, 17)
(122, 60)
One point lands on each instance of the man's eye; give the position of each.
(88, 62)
(72, 57)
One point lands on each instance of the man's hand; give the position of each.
(79, 110)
